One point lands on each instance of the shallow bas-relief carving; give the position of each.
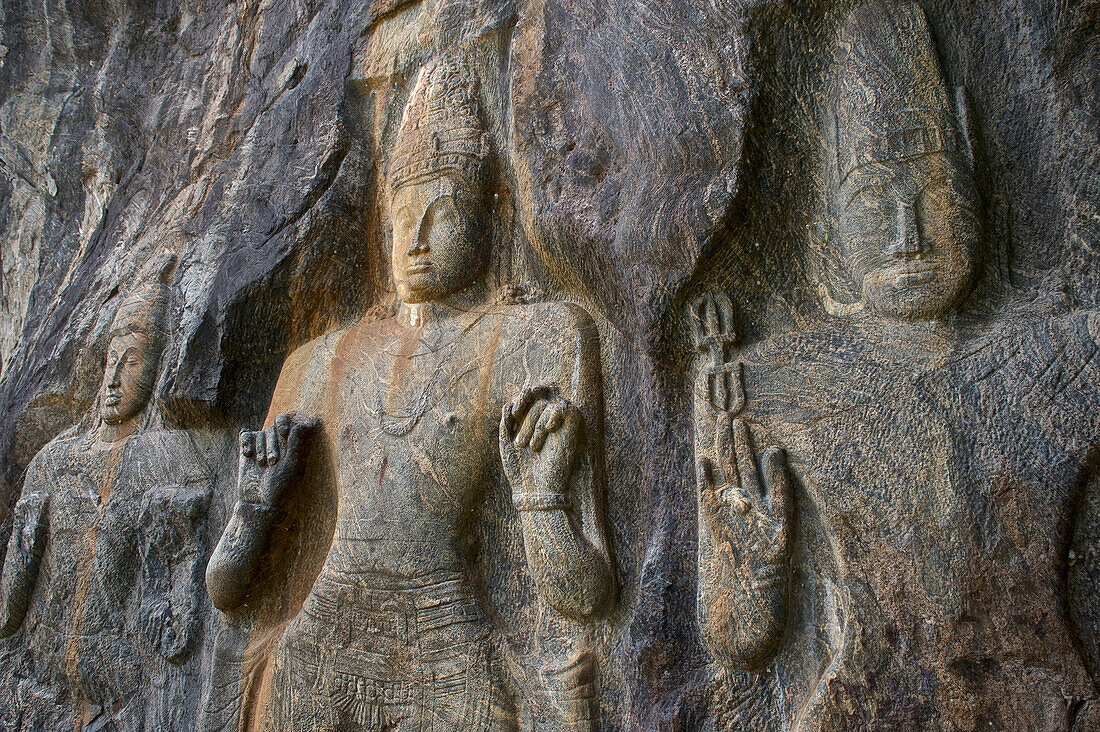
(102, 582)
(945, 446)
(409, 418)
(745, 496)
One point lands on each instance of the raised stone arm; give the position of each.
(744, 504)
(744, 544)
(269, 460)
(25, 548)
(543, 445)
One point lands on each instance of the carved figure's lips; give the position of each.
(913, 274)
(112, 400)
(418, 268)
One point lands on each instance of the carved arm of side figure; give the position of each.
(25, 548)
(549, 459)
(173, 546)
(269, 460)
(744, 543)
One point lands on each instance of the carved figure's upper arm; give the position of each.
(25, 548)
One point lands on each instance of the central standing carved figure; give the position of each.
(422, 414)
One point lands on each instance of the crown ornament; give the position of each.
(441, 131)
(145, 310)
(890, 101)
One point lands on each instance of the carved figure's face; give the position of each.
(438, 249)
(910, 234)
(129, 378)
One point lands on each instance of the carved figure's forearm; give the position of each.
(237, 555)
(571, 573)
(25, 548)
(742, 609)
(543, 447)
(268, 461)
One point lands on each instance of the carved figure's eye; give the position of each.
(937, 199)
(403, 218)
(872, 196)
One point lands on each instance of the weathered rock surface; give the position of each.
(644, 154)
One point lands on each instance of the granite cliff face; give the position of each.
(640, 155)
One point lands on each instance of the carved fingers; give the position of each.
(540, 436)
(777, 479)
(269, 457)
(746, 502)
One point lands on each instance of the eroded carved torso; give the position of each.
(392, 632)
(923, 474)
(120, 518)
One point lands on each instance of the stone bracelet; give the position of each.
(252, 510)
(541, 502)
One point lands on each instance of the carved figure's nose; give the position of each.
(906, 243)
(419, 244)
(116, 380)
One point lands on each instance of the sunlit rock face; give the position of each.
(493, 364)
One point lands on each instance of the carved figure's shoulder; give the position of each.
(305, 373)
(171, 456)
(43, 468)
(317, 353)
(800, 347)
(555, 316)
(57, 450)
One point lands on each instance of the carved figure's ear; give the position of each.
(965, 115)
(826, 264)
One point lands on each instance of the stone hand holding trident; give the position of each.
(744, 504)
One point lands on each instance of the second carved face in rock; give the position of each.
(438, 245)
(128, 378)
(910, 233)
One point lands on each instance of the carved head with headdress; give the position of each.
(138, 335)
(900, 167)
(438, 184)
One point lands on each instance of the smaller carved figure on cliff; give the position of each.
(942, 443)
(415, 417)
(103, 572)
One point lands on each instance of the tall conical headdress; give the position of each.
(889, 98)
(441, 130)
(145, 310)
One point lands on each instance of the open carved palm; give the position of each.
(746, 504)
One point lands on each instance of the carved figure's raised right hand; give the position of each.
(270, 457)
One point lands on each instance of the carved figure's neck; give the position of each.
(442, 312)
(112, 433)
(920, 338)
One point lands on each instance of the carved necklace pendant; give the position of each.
(402, 423)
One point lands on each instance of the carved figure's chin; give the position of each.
(121, 412)
(911, 301)
(417, 295)
(413, 292)
(112, 417)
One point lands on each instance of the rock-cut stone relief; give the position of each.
(943, 445)
(744, 502)
(103, 572)
(415, 415)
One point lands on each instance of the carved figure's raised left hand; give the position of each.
(746, 505)
(541, 438)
